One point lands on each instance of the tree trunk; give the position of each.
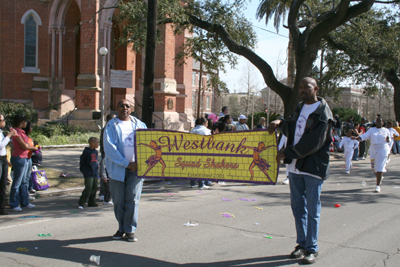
(148, 83)
(393, 79)
(291, 68)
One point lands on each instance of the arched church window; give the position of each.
(31, 21)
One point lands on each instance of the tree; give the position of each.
(249, 84)
(367, 49)
(229, 30)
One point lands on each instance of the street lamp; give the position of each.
(252, 112)
(103, 52)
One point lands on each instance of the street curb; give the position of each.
(64, 146)
(58, 192)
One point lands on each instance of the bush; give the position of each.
(81, 138)
(52, 128)
(345, 113)
(10, 109)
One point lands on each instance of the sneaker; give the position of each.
(221, 183)
(80, 207)
(31, 198)
(204, 187)
(16, 209)
(377, 189)
(362, 158)
(94, 205)
(298, 252)
(286, 181)
(108, 203)
(118, 235)
(30, 206)
(209, 184)
(32, 190)
(101, 198)
(193, 186)
(347, 172)
(310, 257)
(131, 237)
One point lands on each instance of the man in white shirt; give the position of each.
(121, 164)
(309, 133)
(4, 163)
(242, 126)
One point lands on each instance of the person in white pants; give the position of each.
(349, 146)
(380, 139)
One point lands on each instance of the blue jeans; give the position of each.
(126, 196)
(19, 188)
(396, 147)
(28, 174)
(305, 192)
(355, 155)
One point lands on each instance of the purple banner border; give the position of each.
(190, 178)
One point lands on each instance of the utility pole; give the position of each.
(200, 85)
(149, 68)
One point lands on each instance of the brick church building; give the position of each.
(50, 63)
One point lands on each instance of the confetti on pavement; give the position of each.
(44, 235)
(27, 217)
(227, 215)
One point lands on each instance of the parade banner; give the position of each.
(243, 156)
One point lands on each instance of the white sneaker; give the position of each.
(101, 198)
(221, 183)
(204, 187)
(286, 181)
(30, 206)
(16, 209)
(377, 189)
(347, 172)
(108, 203)
(80, 207)
(31, 198)
(362, 158)
(32, 190)
(193, 186)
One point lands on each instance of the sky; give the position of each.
(271, 47)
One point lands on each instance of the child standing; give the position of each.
(349, 146)
(89, 166)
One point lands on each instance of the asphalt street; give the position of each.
(364, 231)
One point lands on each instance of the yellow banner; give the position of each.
(245, 156)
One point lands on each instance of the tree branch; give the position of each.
(282, 90)
(293, 26)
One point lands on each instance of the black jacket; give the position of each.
(88, 164)
(312, 150)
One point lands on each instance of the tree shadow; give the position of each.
(62, 250)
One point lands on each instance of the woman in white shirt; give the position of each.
(380, 138)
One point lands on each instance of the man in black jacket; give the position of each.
(309, 133)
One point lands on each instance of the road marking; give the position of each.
(23, 224)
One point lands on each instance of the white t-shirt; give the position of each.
(348, 144)
(377, 137)
(300, 126)
(128, 135)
